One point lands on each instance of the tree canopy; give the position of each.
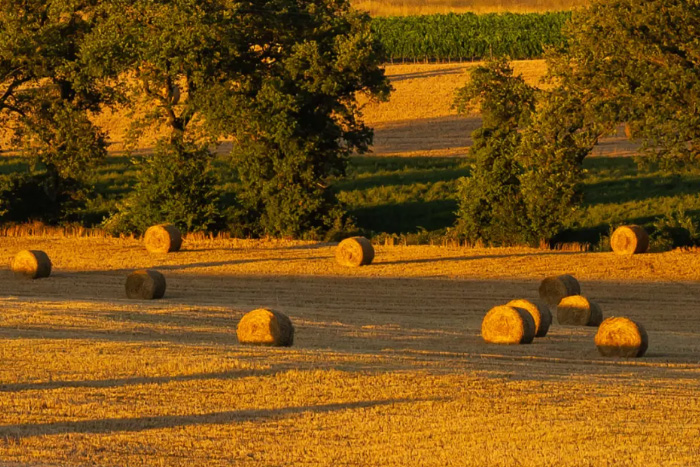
(637, 63)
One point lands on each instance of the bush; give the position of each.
(491, 208)
(676, 228)
(40, 197)
(175, 185)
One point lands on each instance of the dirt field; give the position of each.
(387, 368)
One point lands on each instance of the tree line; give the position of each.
(279, 78)
(624, 61)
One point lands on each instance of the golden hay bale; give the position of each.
(265, 327)
(554, 288)
(577, 310)
(31, 264)
(164, 238)
(629, 240)
(508, 325)
(145, 284)
(539, 311)
(354, 252)
(621, 337)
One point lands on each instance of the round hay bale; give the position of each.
(31, 264)
(621, 337)
(629, 240)
(554, 288)
(540, 314)
(354, 252)
(164, 238)
(508, 325)
(145, 284)
(265, 327)
(577, 310)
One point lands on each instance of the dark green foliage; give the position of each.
(638, 62)
(296, 120)
(278, 77)
(45, 100)
(40, 196)
(676, 228)
(175, 185)
(168, 55)
(551, 153)
(469, 36)
(491, 205)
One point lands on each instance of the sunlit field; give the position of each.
(418, 7)
(388, 367)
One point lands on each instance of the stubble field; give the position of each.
(387, 368)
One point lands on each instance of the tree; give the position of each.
(279, 78)
(294, 117)
(166, 57)
(491, 205)
(44, 102)
(639, 63)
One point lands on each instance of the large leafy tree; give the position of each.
(294, 118)
(45, 98)
(491, 205)
(166, 57)
(639, 63)
(278, 78)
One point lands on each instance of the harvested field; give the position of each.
(387, 367)
(419, 119)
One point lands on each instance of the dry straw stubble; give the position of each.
(146, 284)
(577, 310)
(354, 252)
(539, 311)
(554, 288)
(31, 264)
(508, 325)
(164, 238)
(621, 337)
(265, 327)
(629, 240)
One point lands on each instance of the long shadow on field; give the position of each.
(477, 257)
(126, 335)
(427, 74)
(427, 134)
(111, 425)
(121, 382)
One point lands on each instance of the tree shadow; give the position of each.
(135, 381)
(405, 177)
(428, 74)
(136, 424)
(476, 257)
(639, 188)
(427, 134)
(407, 217)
